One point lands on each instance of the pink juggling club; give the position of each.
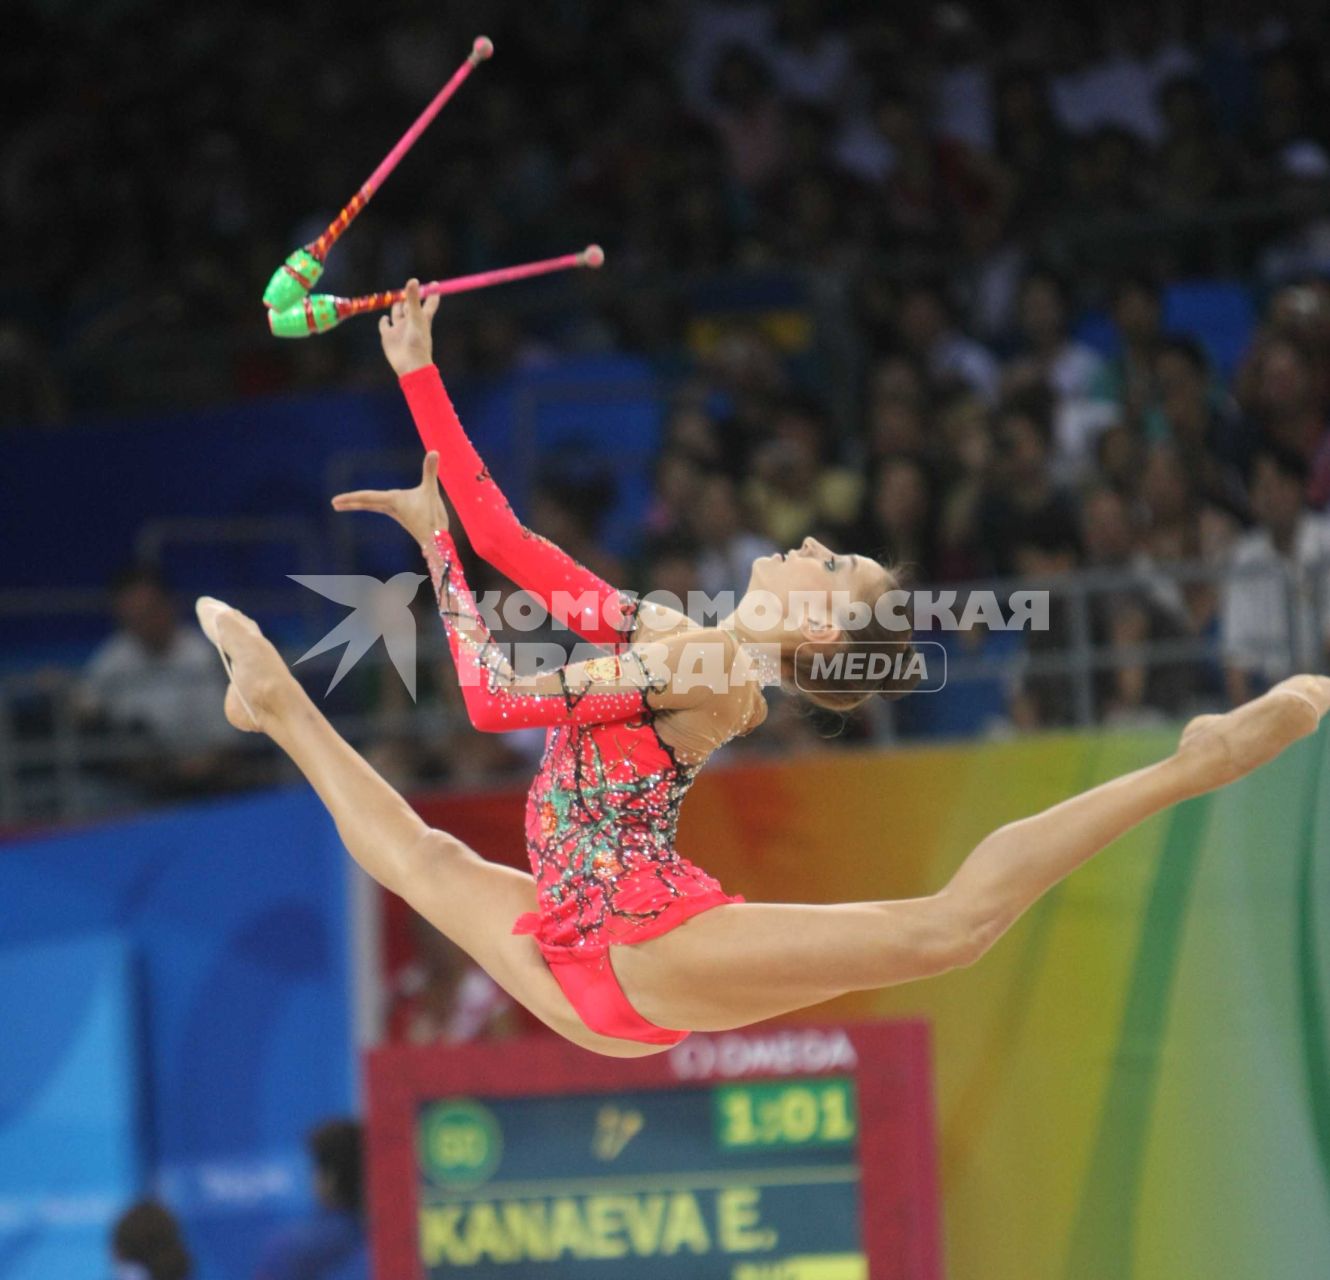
(293, 280)
(319, 312)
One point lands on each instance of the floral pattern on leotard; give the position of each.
(603, 809)
(601, 819)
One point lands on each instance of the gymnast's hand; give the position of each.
(420, 511)
(405, 333)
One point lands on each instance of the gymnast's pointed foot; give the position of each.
(259, 677)
(1219, 749)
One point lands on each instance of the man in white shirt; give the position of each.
(160, 679)
(1276, 612)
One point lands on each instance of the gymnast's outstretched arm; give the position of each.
(569, 592)
(614, 687)
(618, 686)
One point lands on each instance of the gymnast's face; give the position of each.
(807, 580)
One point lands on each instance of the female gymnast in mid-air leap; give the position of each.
(616, 941)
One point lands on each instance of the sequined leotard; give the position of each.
(602, 812)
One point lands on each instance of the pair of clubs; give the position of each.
(295, 312)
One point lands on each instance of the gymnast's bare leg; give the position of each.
(470, 900)
(744, 962)
(739, 964)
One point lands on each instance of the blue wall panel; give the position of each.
(236, 916)
(69, 1079)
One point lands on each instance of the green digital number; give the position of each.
(785, 1114)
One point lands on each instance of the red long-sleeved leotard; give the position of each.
(603, 809)
(571, 594)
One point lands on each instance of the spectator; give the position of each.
(713, 30)
(811, 59)
(1110, 176)
(1148, 609)
(693, 430)
(1070, 370)
(929, 334)
(898, 522)
(1032, 147)
(1287, 552)
(1043, 550)
(969, 463)
(146, 1244)
(1179, 527)
(1118, 88)
(809, 222)
(749, 118)
(672, 577)
(1286, 405)
(330, 1244)
(1112, 539)
(1021, 492)
(646, 157)
(937, 189)
(1167, 494)
(1193, 166)
(1200, 420)
(678, 473)
(1120, 456)
(963, 90)
(161, 681)
(726, 549)
(795, 487)
(745, 366)
(1284, 143)
(1130, 378)
(898, 408)
(1299, 313)
(443, 996)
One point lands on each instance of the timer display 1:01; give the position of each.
(785, 1113)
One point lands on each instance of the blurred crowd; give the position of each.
(148, 194)
(969, 182)
(1037, 460)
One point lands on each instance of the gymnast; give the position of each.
(615, 940)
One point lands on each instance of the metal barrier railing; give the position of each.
(57, 763)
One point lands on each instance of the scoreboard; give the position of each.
(794, 1153)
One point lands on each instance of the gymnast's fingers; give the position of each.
(431, 306)
(429, 473)
(399, 310)
(385, 323)
(413, 293)
(363, 500)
